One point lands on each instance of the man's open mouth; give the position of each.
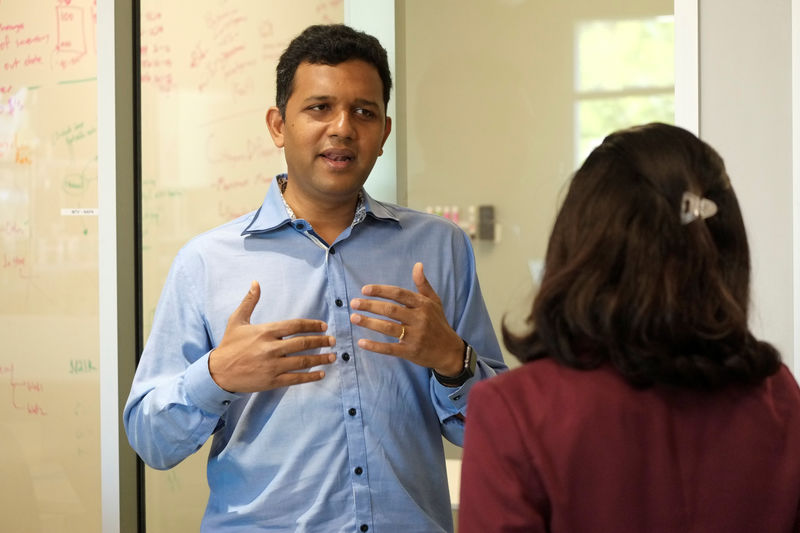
(338, 156)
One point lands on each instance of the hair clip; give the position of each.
(694, 207)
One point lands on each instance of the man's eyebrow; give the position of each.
(318, 98)
(363, 102)
(360, 102)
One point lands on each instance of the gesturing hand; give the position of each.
(258, 357)
(417, 319)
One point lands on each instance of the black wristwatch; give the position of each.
(466, 373)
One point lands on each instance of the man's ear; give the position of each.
(387, 130)
(275, 124)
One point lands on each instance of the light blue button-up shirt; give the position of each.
(360, 450)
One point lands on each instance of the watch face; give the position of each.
(472, 361)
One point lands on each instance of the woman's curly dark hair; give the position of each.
(626, 283)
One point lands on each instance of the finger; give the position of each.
(243, 313)
(391, 292)
(296, 363)
(392, 329)
(423, 286)
(285, 328)
(377, 307)
(298, 378)
(386, 348)
(304, 343)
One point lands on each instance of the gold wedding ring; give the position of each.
(402, 333)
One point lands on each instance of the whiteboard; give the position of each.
(49, 385)
(208, 78)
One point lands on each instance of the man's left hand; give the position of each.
(416, 319)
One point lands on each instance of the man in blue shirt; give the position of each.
(328, 384)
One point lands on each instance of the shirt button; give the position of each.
(226, 402)
(358, 470)
(364, 527)
(333, 250)
(338, 302)
(300, 225)
(456, 397)
(351, 411)
(346, 356)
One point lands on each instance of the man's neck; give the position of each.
(329, 218)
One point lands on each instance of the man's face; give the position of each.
(333, 131)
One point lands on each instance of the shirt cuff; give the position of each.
(203, 392)
(456, 396)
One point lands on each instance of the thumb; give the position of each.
(245, 310)
(423, 287)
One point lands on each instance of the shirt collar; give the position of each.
(275, 212)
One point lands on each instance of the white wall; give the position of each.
(796, 165)
(746, 114)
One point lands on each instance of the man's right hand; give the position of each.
(258, 357)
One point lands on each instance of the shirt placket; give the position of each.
(339, 325)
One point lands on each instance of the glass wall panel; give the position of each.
(207, 80)
(491, 96)
(49, 380)
(499, 101)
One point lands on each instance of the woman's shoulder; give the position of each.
(543, 378)
(547, 372)
(785, 378)
(783, 392)
(542, 389)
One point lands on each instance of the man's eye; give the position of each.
(318, 107)
(365, 112)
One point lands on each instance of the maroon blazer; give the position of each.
(549, 448)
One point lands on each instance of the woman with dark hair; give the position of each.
(645, 403)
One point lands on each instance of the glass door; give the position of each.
(499, 101)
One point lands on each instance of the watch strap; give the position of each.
(466, 373)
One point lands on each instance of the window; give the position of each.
(625, 75)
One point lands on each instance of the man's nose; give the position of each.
(342, 125)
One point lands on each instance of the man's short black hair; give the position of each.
(329, 44)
